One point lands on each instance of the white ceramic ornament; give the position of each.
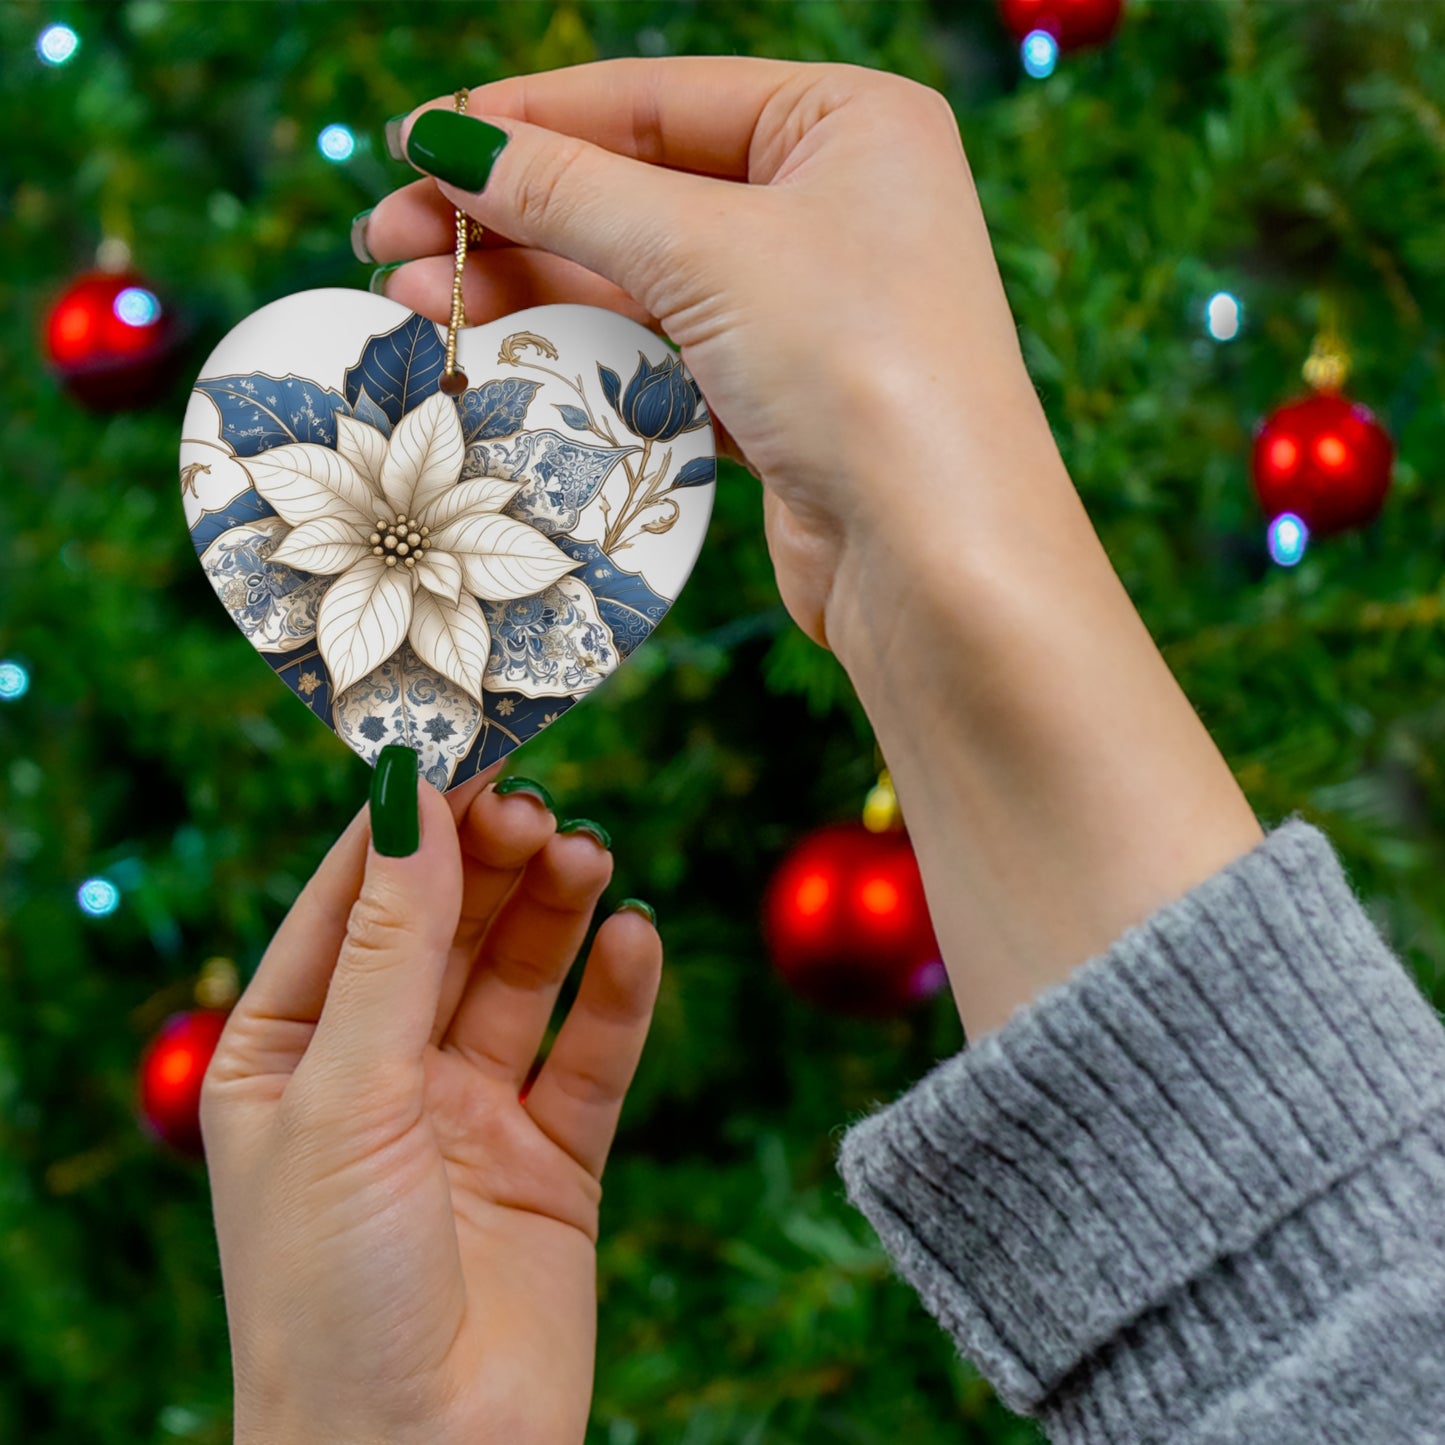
(448, 572)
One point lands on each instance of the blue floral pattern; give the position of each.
(547, 650)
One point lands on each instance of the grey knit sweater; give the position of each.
(1197, 1191)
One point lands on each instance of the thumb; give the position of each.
(642, 227)
(382, 1000)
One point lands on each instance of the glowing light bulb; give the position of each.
(1223, 316)
(137, 307)
(1040, 53)
(336, 143)
(14, 681)
(98, 897)
(1288, 537)
(57, 44)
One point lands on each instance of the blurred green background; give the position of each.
(1292, 154)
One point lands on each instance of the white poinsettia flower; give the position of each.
(411, 545)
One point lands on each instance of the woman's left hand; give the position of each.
(407, 1244)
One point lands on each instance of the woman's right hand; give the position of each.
(809, 236)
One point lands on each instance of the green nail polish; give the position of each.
(393, 136)
(636, 905)
(455, 148)
(586, 825)
(395, 828)
(525, 785)
(359, 248)
(377, 284)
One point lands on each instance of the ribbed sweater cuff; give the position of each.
(1129, 1156)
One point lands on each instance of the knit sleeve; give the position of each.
(1197, 1191)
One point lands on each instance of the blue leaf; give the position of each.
(260, 411)
(574, 416)
(248, 507)
(496, 408)
(399, 369)
(627, 604)
(611, 387)
(697, 473)
(367, 410)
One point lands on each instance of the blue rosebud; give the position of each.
(660, 401)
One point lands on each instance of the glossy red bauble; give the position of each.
(171, 1071)
(111, 341)
(1324, 458)
(847, 923)
(1073, 23)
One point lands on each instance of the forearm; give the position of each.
(1056, 782)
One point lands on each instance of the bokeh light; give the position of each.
(1288, 538)
(1040, 52)
(336, 143)
(57, 44)
(1223, 316)
(14, 681)
(137, 307)
(98, 897)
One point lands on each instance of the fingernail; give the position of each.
(359, 248)
(586, 825)
(636, 905)
(525, 785)
(377, 284)
(393, 136)
(455, 148)
(395, 828)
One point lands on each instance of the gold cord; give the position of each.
(454, 382)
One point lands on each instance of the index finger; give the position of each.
(696, 113)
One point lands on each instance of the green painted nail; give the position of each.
(393, 136)
(395, 828)
(526, 785)
(636, 905)
(586, 825)
(359, 248)
(455, 148)
(377, 284)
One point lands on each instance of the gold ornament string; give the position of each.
(454, 382)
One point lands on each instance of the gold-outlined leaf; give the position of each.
(363, 619)
(306, 481)
(441, 573)
(363, 446)
(481, 494)
(451, 638)
(502, 558)
(325, 546)
(424, 456)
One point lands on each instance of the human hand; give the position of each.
(839, 309)
(408, 1247)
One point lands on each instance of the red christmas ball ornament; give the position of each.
(1326, 459)
(171, 1071)
(111, 341)
(1073, 23)
(847, 923)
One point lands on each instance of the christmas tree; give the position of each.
(1212, 162)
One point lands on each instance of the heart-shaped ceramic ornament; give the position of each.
(448, 572)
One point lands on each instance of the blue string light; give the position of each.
(1040, 53)
(137, 307)
(14, 681)
(1223, 316)
(1288, 538)
(98, 897)
(336, 143)
(57, 44)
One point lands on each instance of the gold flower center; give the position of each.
(404, 541)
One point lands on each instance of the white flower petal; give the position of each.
(306, 481)
(441, 573)
(363, 620)
(452, 638)
(424, 455)
(485, 494)
(364, 447)
(502, 558)
(326, 546)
